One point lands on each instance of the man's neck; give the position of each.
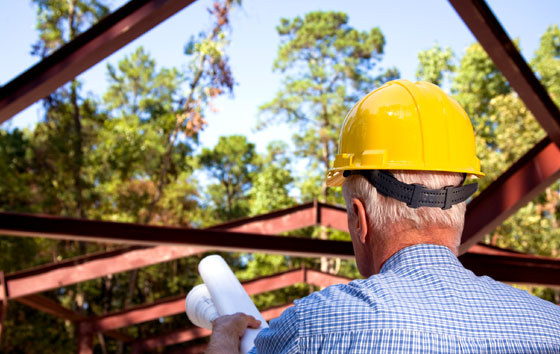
(398, 239)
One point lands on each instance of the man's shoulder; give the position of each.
(337, 307)
(454, 303)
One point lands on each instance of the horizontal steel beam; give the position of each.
(517, 269)
(188, 334)
(92, 266)
(3, 302)
(521, 183)
(79, 269)
(53, 308)
(176, 304)
(490, 34)
(320, 279)
(273, 223)
(101, 40)
(112, 232)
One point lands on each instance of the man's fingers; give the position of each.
(236, 323)
(252, 322)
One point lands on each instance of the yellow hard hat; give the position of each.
(406, 126)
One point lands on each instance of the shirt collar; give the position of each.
(421, 255)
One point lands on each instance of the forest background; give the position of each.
(133, 152)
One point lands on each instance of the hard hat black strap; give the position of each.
(415, 195)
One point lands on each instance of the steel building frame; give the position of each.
(25, 286)
(523, 181)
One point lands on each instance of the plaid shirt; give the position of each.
(423, 301)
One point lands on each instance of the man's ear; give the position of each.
(361, 225)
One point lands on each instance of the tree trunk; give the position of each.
(323, 235)
(78, 141)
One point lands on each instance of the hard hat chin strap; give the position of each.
(415, 195)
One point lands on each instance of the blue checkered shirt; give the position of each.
(423, 301)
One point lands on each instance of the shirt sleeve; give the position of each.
(281, 336)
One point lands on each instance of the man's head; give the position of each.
(404, 151)
(376, 221)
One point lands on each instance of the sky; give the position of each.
(408, 26)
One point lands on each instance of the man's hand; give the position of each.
(226, 332)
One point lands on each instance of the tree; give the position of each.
(505, 130)
(435, 64)
(143, 102)
(546, 61)
(232, 163)
(60, 21)
(477, 81)
(126, 158)
(327, 65)
(270, 189)
(208, 76)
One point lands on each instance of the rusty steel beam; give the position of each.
(519, 269)
(174, 337)
(198, 348)
(274, 281)
(188, 334)
(273, 223)
(138, 314)
(79, 269)
(53, 308)
(493, 250)
(113, 232)
(485, 27)
(93, 266)
(176, 304)
(332, 216)
(101, 40)
(521, 183)
(84, 338)
(315, 277)
(3, 302)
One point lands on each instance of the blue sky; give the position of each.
(408, 26)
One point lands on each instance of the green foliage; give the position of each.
(505, 130)
(271, 184)
(126, 157)
(15, 169)
(233, 163)
(59, 21)
(434, 64)
(546, 61)
(327, 65)
(137, 145)
(477, 81)
(27, 330)
(131, 155)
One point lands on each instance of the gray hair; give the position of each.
(384, 212)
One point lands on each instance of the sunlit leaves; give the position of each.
(434, 64)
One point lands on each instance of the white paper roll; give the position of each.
(200, 308)
(228, 295)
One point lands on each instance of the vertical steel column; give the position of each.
(85, 337)
(3, 302)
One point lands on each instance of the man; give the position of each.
(404, 152)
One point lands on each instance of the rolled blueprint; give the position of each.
(229, 296)
(200, 308)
